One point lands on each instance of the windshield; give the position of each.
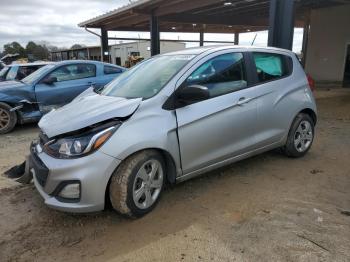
(147, 78)
(37, 74)
(3, 72)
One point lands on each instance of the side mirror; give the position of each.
(50, 80)
(97, 89)
(192, 94)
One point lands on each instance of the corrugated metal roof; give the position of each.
(219, 16)
(114, 12)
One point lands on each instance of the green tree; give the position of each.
(15, 48)
(36, 52)
(77, 46)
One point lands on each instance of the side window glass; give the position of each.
(12, 73)
(4, 72)
(25, 71)
(74, 72)
(108, 70)
(270, 66)
(221, 75)
(22, 72)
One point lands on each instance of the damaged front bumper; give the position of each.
(91, 173)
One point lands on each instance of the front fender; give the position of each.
(28, 113)
(10, 100)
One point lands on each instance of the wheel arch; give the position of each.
(13, 104)
(10, 104)
(311, 113)
(170, 167)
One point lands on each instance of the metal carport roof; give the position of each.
(215, 16)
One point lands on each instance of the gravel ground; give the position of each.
(266, 208)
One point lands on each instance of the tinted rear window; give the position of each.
(109, 70)
(271, 66)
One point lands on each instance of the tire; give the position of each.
(8, 119)
(132, 191)
(300, 136)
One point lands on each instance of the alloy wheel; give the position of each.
(148, 184)
(303, 136)
(4, 119)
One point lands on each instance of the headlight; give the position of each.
(79, 145)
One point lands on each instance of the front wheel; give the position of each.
(137, 184)
(8, 119)
(300, 137)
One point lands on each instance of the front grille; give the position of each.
(41, 171)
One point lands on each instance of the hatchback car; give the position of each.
(169, 119)
(19, 71)
(50, 87)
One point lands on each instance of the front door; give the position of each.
(222, 126)
(72, 80)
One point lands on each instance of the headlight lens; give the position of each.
(78, 146)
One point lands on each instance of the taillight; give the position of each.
(311, 83)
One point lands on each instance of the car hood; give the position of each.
(10, 85)
(86, 110)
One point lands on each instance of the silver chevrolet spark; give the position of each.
(169, 119)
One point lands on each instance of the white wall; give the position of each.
(329, 35)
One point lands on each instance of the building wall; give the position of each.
(328, 39)
(122, 51)
(95, 53)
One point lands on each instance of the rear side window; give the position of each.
(272, 66)
(109, 70)
(221, 75)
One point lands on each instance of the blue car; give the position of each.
(19, 71)
(50, 87)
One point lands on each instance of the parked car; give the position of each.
(169, 119)
(19, 71)
(50, 87)
(2, 65)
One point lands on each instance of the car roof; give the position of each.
(41, 63)
(214, 48)
(67, 62)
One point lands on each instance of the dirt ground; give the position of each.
(267, 208)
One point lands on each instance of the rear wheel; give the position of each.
(300, 137)
(8, 119)
(137, 184)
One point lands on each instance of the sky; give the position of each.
(55, 22)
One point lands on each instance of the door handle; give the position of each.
(243, 101)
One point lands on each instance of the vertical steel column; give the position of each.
(305, 39)
(201, 37)
(155, 35)
(104, 45)
(236, 38)
(281, 24)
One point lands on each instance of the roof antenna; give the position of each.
(254, 38)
